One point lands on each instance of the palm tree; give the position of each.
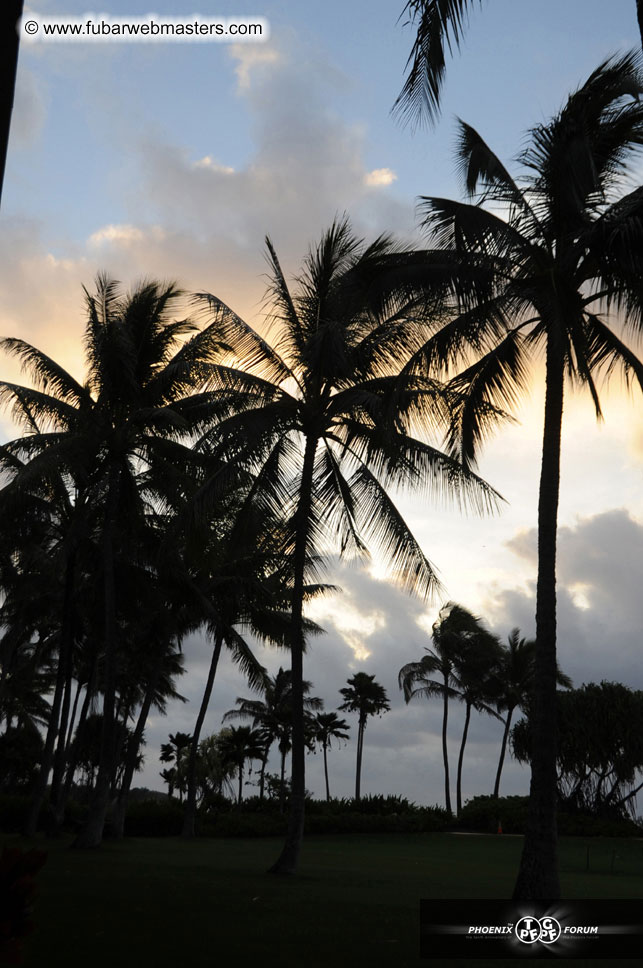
(366, 697)
(328, 726)
(272, 717)
(441, 26)
(565, 258)
(476, 657)
(238, 744)
(515, 683)
(176, 752)
(117, 442)
(451, 631)
(325, 418)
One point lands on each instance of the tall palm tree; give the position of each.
(366, 697)
(328, 726)
(566, 259)
(441, 26)
(326, 419)
(176, 752)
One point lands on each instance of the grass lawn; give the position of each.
(165, 902)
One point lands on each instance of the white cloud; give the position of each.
(379, 177)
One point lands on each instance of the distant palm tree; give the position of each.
(440, 26)
(272, 717)
(515, 674)
(238, 744)
(327, 417)
(476, 658)
(366, 697)
(328, 726)
(452, 632)
(176, 752)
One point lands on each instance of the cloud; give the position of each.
(28, 115)
(599, 580)
(249, 59)
(379, 177)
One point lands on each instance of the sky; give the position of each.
(175, 160)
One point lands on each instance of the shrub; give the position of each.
(151, 818)
(483, 814)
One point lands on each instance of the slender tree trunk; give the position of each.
(120, 811)
(240, 791)
(465, 732)
(538, 872)
(262, 774)
(66, 636)
(639, 15)
(91, 834)
(503, 749)
(287, 861)
(72, 718)
(326, 773)
(11, 13)
(358, 767)
(282, 783)
(60, 756)
(445, 752)
(189, 815)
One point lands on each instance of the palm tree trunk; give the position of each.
(12, 12)
(286, 863)
(189, 816)
(358, 768)
(538, 873)
(639, 15)
(120, 810)
(91, 834)
(262, 774)
(503, 749)
(326, 773)
(465, 733)
(66, 636)
(445, 752)
(240, 791)
(282, 784)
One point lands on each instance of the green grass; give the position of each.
(149, 902)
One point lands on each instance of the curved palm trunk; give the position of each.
(639, 15)
(12, 12)
(445, 752)
(538, 873)
(465, 733)
(286, 863)
(189, 816)
(503, 749)
(326, 772)
(358, 768)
